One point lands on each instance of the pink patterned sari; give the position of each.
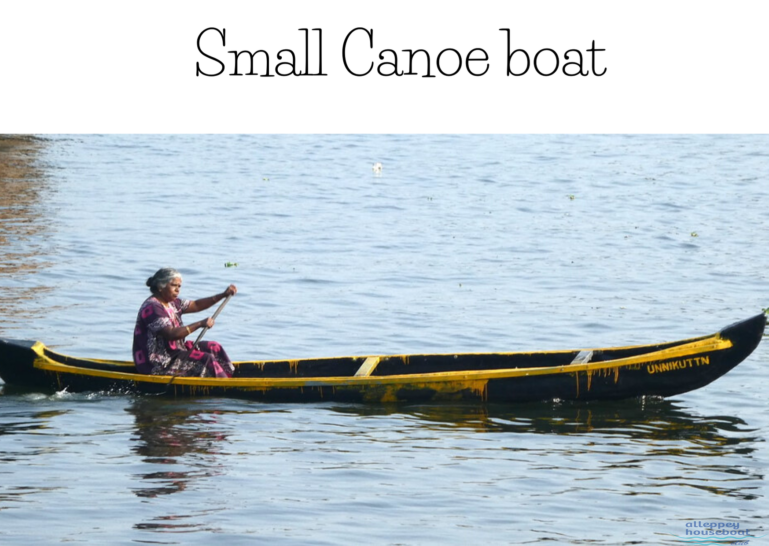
(153, 354)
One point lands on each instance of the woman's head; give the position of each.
(162, 278)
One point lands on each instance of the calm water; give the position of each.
(462, 243)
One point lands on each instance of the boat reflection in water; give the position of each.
(641, 418)
(180, 440)
(709, 452)
(302, 454)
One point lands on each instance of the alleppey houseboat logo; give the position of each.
(680, 364)
(709, 533)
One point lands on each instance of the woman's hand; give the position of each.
(205, 303)
(207, 323)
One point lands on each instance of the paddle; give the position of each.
(205, 329)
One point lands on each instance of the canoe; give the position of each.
(664, 369)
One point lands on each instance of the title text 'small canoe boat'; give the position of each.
(664, 369)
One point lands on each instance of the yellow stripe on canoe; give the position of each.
(704, 345)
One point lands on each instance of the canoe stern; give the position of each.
(17, 363)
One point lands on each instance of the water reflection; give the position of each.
(647, 419)
(25, 422)
(713, 453)
(23, 225)
(179, 441)
(15, 491)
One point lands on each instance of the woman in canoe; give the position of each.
(159, 347)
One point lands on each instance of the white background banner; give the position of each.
(652, 66)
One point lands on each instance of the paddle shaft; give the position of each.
(216, 314)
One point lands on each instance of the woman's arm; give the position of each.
(183, 331)
(204, 303)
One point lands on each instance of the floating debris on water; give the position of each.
(377, 168)
(230, 264)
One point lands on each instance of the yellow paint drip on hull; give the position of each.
(293, 366)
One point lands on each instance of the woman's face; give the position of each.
(171, 291)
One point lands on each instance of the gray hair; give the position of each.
(161, 278)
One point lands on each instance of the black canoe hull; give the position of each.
(665, 369)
